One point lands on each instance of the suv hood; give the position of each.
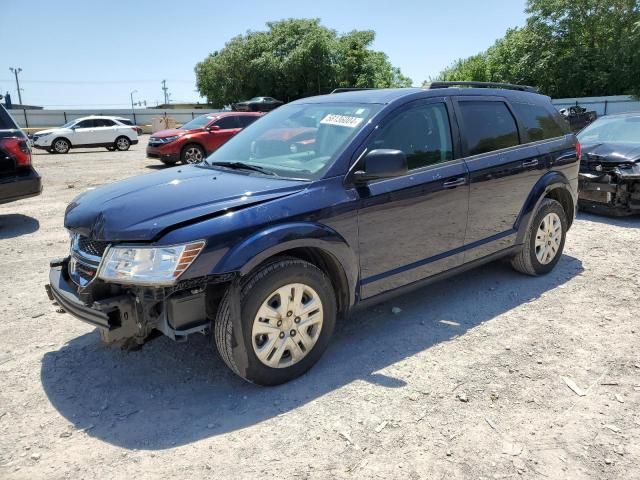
(172, 132)
(611, 153)
(140, 208)
(50, 130)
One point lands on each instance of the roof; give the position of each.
(388, 95)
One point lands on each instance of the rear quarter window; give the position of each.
(538, 122)
(488, 126)
(6, 122)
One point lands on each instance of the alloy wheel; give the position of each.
(193, 155)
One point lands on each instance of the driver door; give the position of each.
(84, 133)
(412, 227)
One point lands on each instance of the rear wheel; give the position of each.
(288, 317)
(544, 240)
(192, 153)
(122, 143)
(61, 145)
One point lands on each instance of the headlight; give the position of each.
(167, 139)
(148, 265)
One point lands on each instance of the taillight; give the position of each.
(578, 151)
(18, 148)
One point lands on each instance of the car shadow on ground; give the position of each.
(631, 221)
(170, 394)
(16, 225)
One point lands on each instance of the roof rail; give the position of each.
(350, 89)
(506, 86)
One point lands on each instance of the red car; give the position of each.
(196, 139)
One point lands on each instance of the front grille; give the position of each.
(94, 248)
(86, 255)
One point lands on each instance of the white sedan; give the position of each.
(87, 132)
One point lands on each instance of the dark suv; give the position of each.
(18, 179)
(267, 248)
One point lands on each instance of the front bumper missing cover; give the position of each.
(615, 192)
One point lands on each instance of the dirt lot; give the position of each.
(468, 380)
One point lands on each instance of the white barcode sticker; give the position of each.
(341, 120)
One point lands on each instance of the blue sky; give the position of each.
(90, 53)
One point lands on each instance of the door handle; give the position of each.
(530, 163)
(455, 182)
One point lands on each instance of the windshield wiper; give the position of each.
(243, 166)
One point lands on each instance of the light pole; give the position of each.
(16, 71)
(133, 112)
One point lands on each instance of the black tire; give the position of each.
(122, 144)
(169, 163)
(192, 153)
(254, 291)
(526, 261)
(61, 145)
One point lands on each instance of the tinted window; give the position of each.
(85, 124)
(488, 126)
(125, 121)
(538, 122)
(247, 120)
(422, 133)
(226, 123)
(103, 122)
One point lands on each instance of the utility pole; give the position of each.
(16, 71)
(164, 89)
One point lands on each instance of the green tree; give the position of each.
(294, 58)
(568, 48)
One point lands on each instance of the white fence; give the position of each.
(34, 119)
(601, 105)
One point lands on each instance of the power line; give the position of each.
(93, 82)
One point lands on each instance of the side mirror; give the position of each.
(381, 163)
(214, 128)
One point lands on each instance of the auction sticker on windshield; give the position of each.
(341, 120)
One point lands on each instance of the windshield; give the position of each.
(69, 124)
(297, 141)
(198, 122)
(613, 129)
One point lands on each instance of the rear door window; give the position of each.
(538, 122)
(488, 126)
(247, 120)
(226, 123)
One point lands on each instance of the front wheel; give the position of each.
(288, 317)
(193, 154)
(544, 240)
(122, 144)
(61, 145)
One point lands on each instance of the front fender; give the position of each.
(548, 182)
(266, 243)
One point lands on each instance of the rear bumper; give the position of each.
(20, 186)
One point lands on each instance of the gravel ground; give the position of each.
(468, 378)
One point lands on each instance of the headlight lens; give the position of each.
(148, 265)
(166, 139)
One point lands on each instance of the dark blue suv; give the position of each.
(324, 204)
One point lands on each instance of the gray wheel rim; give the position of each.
(122, 143)
(193, 155)
(548, 238)
(287, 325)
(60, 146)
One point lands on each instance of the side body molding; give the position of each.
(271, 241)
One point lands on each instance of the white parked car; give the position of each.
(86, 132)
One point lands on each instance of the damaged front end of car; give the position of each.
(609, 184)
(127, 313)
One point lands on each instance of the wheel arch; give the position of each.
(62, 137)
(190, 142)
(314, 243)
(552, 185)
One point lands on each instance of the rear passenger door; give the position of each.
(105, 131)
(502, 172)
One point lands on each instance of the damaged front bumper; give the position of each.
(124, 313)
(615, 192)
